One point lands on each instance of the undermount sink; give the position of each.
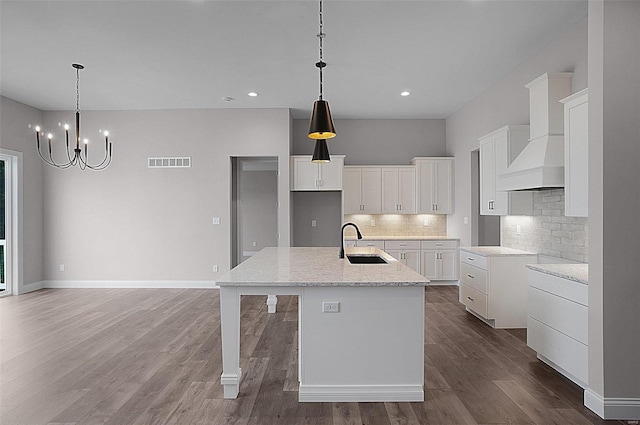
(366, 259)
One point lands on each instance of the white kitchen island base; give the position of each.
(371, 349)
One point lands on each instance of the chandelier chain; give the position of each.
(321, 35)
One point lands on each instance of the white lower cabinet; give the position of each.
(407, 252)
(494, 287)
(440, 259)
(557, 324)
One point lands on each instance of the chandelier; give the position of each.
(321, 125)
(76, 157)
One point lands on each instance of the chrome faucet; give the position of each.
(342, 232)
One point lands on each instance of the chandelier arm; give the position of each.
(102, 165)
(67, 143)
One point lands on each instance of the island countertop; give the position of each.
(302, 266)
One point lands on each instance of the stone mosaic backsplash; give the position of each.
(398, 224)
(548, 231)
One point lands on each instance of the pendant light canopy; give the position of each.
(321, 125)
(321, 152)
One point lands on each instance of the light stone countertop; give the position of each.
(576, 272)
(495, 251)
(401, 238)
(303, 266)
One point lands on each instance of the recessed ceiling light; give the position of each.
(405, 93)
(252, 94)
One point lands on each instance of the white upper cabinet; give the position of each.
(399, 190)
(307, 175)
(576, 154)
(362, 190)
(434, 185)
(497, 150)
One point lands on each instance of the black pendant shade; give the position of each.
(321, 152)
(321, 125)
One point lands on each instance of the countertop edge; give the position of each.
(543, 268)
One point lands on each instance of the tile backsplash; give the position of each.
(548, 231)
(398, 224)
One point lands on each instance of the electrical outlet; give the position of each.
(313, 223)
(466, 220)
(518, 229)
(61, 267)
(330, 307)
(425, 222)
(255, 243)
(216, 220)
(373, 223)
(215, 268)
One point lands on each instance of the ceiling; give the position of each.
(195, 53)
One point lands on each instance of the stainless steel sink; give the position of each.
(366, 259)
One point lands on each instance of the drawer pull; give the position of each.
(403, 244)
(438, 244)
(470, 259)
(470, 276)
(470, 299)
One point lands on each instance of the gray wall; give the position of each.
(130, 222)
(325, 208)
(258, 197)
(506, 102)
(377, 142)
(16, 135)
(614, 200)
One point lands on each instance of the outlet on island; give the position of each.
(330, 307)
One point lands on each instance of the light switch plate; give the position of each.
(216, 220)
(330, 307)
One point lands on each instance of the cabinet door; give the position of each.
(371, 191)
(390, 182)
(331, 174)
(430, 264)
(305, 174)
(443, 170)
(426, 174)
(449, 264)
(576, 158)
(501, 154)
(412, 260)
(487, 177)
(351, 190)
(407, 190)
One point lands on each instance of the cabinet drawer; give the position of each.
(376, 243)
(401, 245)
(474, 300)
(473, 259)
(566, 316)
(473, 277)
(439, 245)
(566, 352)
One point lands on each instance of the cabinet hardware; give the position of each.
(439, 244)
(470, 277)
(470, 259)
(470, 299)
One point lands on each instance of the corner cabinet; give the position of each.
(497, 150)
(434, 184)
(307, 175)
(576, 154)
(362, 190)
(399, 190)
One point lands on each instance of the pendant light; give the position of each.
(321, 125)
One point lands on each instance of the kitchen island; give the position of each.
(360, 326)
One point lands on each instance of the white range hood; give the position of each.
(540, 165)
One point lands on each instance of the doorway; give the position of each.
(6, 201)
(254, 204)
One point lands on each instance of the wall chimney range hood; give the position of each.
(540, 165)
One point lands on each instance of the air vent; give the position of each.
(170, 162)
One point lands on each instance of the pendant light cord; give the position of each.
(321, 63)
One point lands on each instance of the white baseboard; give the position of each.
(30, 287)
(159, 284)
(612, 408)
(360, 393)
(564, 372)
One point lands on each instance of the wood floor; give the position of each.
(147, 356)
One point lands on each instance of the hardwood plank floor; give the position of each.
(152, 356)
